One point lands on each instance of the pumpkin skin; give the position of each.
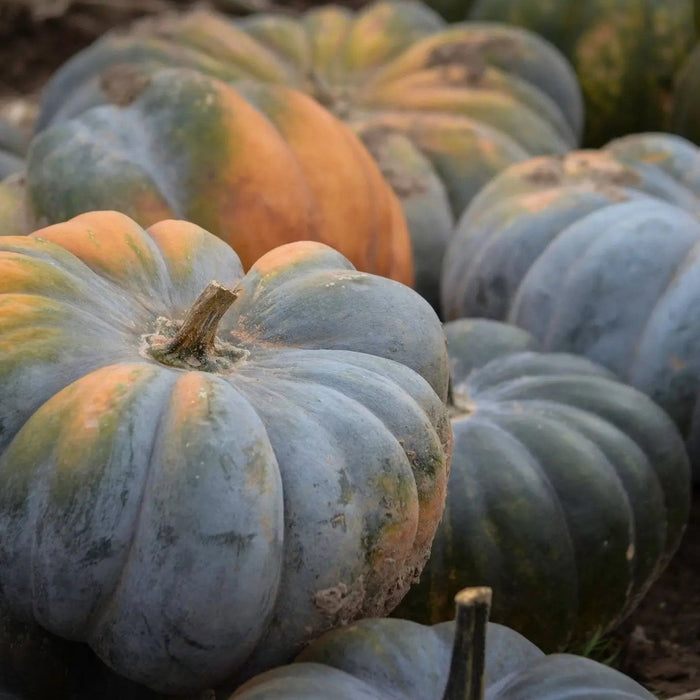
(442, 109)
(584, 253)
(626, 53)
(180, 144)
(569, 491)
(136, 497)
(13, 144)
(390, 658)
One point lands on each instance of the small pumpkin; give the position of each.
(569, 490)
(243, 163)
(194, 490)
(594, 253)
(441, 108)
(466, 659)
(626, 53)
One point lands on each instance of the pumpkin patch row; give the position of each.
(594, 253)
(442, 109)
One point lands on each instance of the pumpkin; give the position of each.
(441, 108)
(13, 209)
(569, 490)
(465, 659)
(595, 253)
(243, 163)
(13, 144)
(626, 53)
(195, 490)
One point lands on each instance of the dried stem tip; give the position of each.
(466, 679)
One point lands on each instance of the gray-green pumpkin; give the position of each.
(569, 490)
(194, 490)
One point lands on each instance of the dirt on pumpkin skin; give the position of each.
(659, 644)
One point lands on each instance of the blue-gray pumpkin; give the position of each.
(569, 490)
(195, 490)
(465, 659)
(595, 253)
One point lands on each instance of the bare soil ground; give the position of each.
(659, 644)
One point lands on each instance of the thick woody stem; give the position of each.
(193, 344)
(466, 679)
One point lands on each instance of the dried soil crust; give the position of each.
(659, 644)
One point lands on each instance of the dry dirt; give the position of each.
(659, 644)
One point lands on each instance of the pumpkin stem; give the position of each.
(335, 100)
(466, 679)
(193, 344)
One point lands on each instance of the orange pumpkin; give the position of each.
(258, 166)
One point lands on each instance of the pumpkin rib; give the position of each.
(683, 266)
(94, 315)
(492, 83)
(565, 532)
(310, 331)
(368, 597)
(414, 385)
(631, 212)
(219, 645)
(141, 263)
(281, 35)
(100, 611)
(53, 146)
(561, 242)
(670, 482)
(560, 77)
(329, 40)
(486, 235)
(209, 35)
(532, 460)
(338, 375)
(607, 566)
(361, 408)
(59, 430)
(501, 111)
(572, 416)
(46, 273)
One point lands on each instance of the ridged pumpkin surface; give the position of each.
(259, 166)
(198, 521)
(626, 53)
(390, 659)
(584, 253)
(442, 108)
(569, 490)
